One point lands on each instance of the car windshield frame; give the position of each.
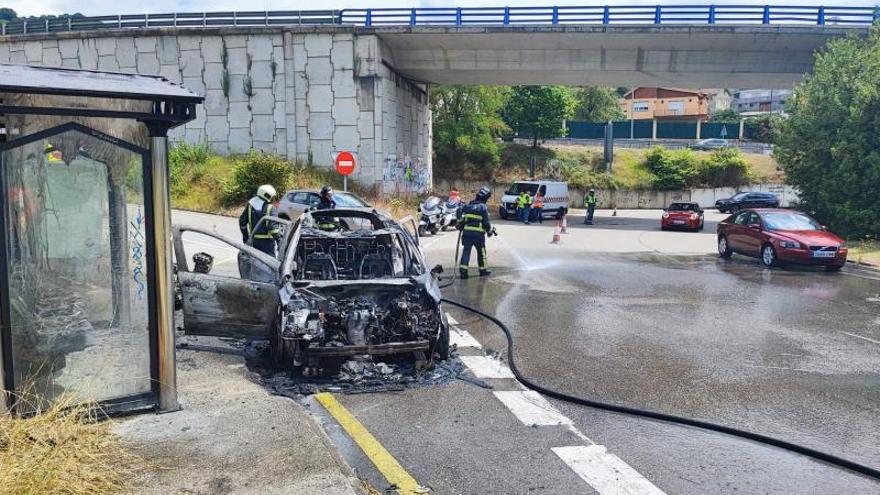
(770, 220)
(739, 196)
(518, 187)
(690, 207)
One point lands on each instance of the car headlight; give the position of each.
(694, 216)
(665, 215)
(789, 244)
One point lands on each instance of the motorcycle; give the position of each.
(431, 213)
(449, 217)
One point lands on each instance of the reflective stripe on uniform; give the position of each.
(472, 216)
(485, 264)
(478, 228)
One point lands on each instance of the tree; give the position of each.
(7, 14)
(597, 104)
(727, 115)
(466, 124)
(829, 146)
(765, 128)
(538, 112)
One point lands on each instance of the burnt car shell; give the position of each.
(330, 292)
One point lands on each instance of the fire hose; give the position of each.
(659, 416)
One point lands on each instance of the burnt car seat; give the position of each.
(375, 266)
(319, 266)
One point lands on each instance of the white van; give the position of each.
(555, 197)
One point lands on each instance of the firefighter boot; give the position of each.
(463, 273)
(485, 273)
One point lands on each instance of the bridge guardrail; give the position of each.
(621, 15)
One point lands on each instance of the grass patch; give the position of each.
(64, 449)
(864, 251)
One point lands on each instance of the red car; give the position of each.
(682, 215)
(780, 236)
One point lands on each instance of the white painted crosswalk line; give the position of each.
(462, 338)
(532, 408)
(486, 367)
(605, 472)
(451, 320)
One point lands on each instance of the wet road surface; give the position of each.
(625, 313)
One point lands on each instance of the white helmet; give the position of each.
(266, 192)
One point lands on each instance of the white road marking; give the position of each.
(451, 320)
(605, 472)
(431, 242)
(782, 368)
(486, 367)
(461, 338)
(862, 337)
(532, 408)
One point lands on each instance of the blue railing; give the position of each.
(778, 15)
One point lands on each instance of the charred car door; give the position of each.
(224, 305)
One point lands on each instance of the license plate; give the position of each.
(678, 222)
(824, 254)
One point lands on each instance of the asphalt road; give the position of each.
(625, 313)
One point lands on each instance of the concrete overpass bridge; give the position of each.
(309, 83)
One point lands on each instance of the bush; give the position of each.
(253, 170)
(674, 169)
(726, 167)
(186, 165)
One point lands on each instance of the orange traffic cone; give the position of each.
(557, 235)
(564, 224)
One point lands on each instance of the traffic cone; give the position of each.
(564, 224)
(557, 234)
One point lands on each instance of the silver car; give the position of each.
(295, 203)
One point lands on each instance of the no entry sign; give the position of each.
(345, 163)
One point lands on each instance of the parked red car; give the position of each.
(682, 215)
(780, 236)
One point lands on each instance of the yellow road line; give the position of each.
(381, 458)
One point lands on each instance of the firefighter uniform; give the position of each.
(474, 221)
(590, 202)
(266, 236)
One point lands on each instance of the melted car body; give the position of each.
(344, 283)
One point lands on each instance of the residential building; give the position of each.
(756, 101)
(719, 100)
(665, 104)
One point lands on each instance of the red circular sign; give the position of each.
(345, 163)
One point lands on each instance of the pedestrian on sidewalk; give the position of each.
(590, 202)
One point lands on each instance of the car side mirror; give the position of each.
(664, 209)
(438, 269)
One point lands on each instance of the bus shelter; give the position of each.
(86, 295)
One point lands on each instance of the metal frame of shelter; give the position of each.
(170, 106)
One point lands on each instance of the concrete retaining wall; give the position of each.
(631, 199)
(305, 93)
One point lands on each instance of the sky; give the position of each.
(103, 7)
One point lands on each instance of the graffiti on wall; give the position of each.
(406, 174)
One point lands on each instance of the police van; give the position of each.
(555, 197)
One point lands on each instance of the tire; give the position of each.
(663, 227)
(443, 228)
(723, 247)
(702, 224)
(422, 231)
(560, 213)
(434, 230)
(768, 256)
(502, 212)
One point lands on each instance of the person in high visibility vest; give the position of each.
(326, 203)
(538, 207)
(473, 221)
(524, 205)
(265, 238)
(590, 202)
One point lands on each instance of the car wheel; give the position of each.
(724, 247)
(443, 228)
(434, 230)
(422, 231)
(768, 256)
(502, 212)
(702, 224)
(663, 227)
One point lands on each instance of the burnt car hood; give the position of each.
(425, 281)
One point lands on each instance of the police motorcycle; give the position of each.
(449, 218)
(431, 213)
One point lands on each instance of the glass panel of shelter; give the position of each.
(77, 266)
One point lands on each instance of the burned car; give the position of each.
(345, 283)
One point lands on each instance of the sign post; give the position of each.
(345, 166)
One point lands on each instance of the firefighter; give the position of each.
(473, 220)
(266, 237)
(326, 202)
(590, 202)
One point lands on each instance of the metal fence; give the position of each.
(645, 129)
(778, 15)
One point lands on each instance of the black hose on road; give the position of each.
(645, 413)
